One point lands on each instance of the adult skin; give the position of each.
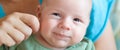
(106, 41)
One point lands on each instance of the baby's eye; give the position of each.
(76, 19)
(56, 14)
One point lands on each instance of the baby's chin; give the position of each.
(61, 44)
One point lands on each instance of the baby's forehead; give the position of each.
(74, 6)
(71, 3)
(85, 4)
(65, 1)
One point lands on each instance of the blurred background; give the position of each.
(115, 21)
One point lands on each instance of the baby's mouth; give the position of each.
(61, 36)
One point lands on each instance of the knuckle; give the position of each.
(4, 26)
(2, 29)
(13, 16)
(16, 13)
(11, 44)
(34, 19)
(20, 39)
(10, 18)
(28, 33)
(4, 39)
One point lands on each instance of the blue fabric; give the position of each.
(40, 1)
(2, 13)
(99, 17)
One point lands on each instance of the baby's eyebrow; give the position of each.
(80, 16)
(57, 10)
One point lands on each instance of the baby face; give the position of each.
(64, 22)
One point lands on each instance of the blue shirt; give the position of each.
(99, 17)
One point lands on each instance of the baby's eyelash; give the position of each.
(77, 19)
(56, 14)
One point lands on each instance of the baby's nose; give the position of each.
(65, 24)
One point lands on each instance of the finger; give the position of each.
(13, 33)
(6, 39)
(18, 24)
(32, 21)
(29, 19)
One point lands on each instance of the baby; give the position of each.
(63, 25)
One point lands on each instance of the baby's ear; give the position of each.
(38, 11)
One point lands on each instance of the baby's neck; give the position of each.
(44, 43)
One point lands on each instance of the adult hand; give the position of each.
(17, 27)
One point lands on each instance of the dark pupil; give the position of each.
(76, 19)
(56, 14)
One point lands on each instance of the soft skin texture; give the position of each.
(106, 39)
(13, 6)
(17, 27)
(62, 25)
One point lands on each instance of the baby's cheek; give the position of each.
(76, 39)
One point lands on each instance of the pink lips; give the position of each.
(61, 36)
